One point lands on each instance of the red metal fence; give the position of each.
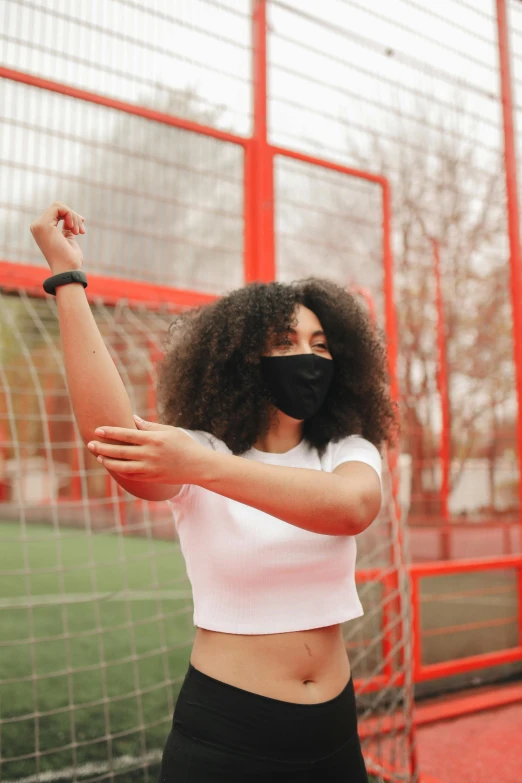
(365, 86)
(466, 599)
(405, 138)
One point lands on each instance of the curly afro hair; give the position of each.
(210, 377)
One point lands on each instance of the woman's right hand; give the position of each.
(59, 246)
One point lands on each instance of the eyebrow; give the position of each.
(318, 333)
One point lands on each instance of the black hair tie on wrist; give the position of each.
(74, 276)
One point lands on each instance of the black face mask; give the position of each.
(298, 383)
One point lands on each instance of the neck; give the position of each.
(284, 433)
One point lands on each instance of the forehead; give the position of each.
(306, 320)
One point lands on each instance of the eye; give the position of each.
(323, 346)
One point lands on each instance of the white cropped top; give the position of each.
(252, 573)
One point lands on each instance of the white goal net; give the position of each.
(95, 607)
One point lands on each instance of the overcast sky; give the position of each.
(357, 56)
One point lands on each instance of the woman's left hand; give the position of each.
(153, 452)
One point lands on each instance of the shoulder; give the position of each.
(353, 449)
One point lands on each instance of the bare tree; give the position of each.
(447, 187)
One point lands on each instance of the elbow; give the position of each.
(363, 511)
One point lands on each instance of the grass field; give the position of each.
(95, 637)
(101, 653)
(98, 652)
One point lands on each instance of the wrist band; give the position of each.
(74, 276)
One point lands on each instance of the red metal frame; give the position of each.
(258, 208)
(123, 106)
(262, 173)
(510, 165)
(259, 242)
(109, 290)
(423, 672)
(260, 264)
(259, 231)
(456, 706)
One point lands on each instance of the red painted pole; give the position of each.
(513, 222)
(261, 158)
(417, 627)
(519, 590)
(112, 103)
(442, 383)
(389, 299)
(393, 351)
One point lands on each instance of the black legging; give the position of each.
(223, 734)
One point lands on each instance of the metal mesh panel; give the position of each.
(379, 643)
(138, 51)
(95, 623)
(162, 204)
(412, 91)
(406, 90)
(326, 219)
(471, 610)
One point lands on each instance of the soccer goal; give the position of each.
(96, 613)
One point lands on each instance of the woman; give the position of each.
(273, 400)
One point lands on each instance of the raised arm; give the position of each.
(97, 393)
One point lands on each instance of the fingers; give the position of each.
(73, 222)
(79, 223)
(112, 450)
(68, 220)
(123, 435)
(141, 424)
(126, 467)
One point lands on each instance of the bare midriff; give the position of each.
(304, 667)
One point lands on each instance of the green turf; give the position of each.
(101, 667)
(102, 672)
